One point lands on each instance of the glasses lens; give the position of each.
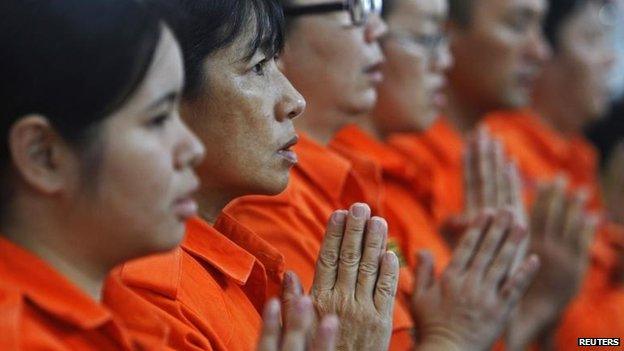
(359, 11)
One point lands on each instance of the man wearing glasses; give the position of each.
(333, 58)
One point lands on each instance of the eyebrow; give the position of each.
(167, 98)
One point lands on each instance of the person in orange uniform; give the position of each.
(212, 289)
(498, 47)
(341, 45)
(90, 175)
(547, 141)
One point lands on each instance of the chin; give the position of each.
(273, 185)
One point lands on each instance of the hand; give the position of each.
(468, 307)
(561, 234)
(293, 336)
(356, 279)
(491, 182)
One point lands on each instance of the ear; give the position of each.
(39, 154)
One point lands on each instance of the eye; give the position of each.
(259, 67)
(158, 121)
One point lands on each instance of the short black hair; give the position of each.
(73, 61)
(206, 26)
(460, 11)
(558, 12)
(387, 8)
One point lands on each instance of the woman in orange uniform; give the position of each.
(97, 168)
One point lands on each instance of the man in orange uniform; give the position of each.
(547, 141)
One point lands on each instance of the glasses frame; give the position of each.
(346, 5)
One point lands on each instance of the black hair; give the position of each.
(460, 11)
(72, 61)
(558, 12)
(206, 26)
(387, 8)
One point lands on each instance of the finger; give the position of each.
(555, 215)
(424, 273)
(351, 248)
(326, 335)
(484, 171)
(540, 210)
(469, 243)
(514, 195)
(501, 189)
(470, 186)
(271, 330)
(573, 217)
(299, 323)
(327, 262)
(291, 293)
(376, 231)
(515, 287)
(586, 238)
(386, 288)
(502, 264)
(496, 233)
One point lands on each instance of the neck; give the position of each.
(322, 125)
(556, 115)
(368, 125)
(211, 204)
(49, 240)
(463, 114)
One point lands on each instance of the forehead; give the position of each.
(505, 7)
(418, 13)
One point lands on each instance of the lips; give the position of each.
(286, 153)
(185, 206)
(374, 72)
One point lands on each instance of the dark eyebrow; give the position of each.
(167, 98)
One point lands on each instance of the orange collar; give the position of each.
(42, 285)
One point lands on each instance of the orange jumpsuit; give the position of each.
(407, 197)
(211, 289)
(440, 150)
(42, 310)
(294, 221)
(542, 153)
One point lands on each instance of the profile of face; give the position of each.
(334, 64)
(244, 115)
(582, 62)
(417, 57)
(499, 53)
(138, 194)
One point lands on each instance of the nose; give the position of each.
(443, 59)
(539, 50)
(291, 104)
(189, 149)
(375, 28)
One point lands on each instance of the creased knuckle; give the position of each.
(368, 269)
(350, 257)
(328, 258)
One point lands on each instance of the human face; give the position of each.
(334, 64)
(140, 197)
(499, 53)
(244, 115)
(417, 56)
(581, 64)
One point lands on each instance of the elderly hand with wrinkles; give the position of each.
(468, 307)
(355, 279)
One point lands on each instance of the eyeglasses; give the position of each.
(360, 10)
(431, 43)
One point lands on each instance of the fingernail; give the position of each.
(392, 258)
(274, 308)
(330, 323)
(339, 217)
(303, 304)
(288, 280)
(358, 211)
(377, 224)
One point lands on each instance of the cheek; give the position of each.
(135, 188)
